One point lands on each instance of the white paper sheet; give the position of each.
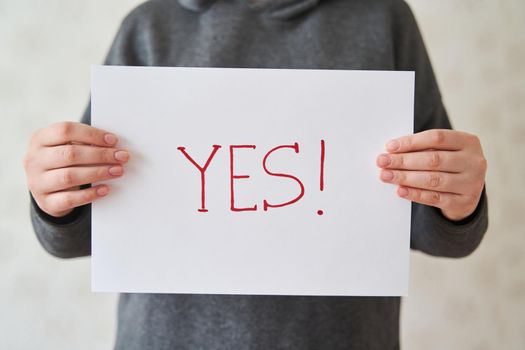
(148, 235)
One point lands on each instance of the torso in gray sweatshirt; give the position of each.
(306, 34)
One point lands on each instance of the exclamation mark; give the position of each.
(321, 175)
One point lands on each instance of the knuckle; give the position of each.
(64, 129)
(399, 177)
(434, 198)
(107, 156)
(69, 154)
(87, 196)
(406, 143)
(437, 136)
(400, 161)
(433, 180)
(67, 178)
(66, 201)
(93, 134)
(102, 172)
(435, 160)
(54, 204)
(417, 194)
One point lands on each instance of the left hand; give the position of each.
(441, 168)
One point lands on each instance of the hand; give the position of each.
(66, 155)
(441, 168)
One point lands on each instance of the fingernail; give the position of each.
(116, 170)
(383, 160)
(387, 175)
(102, 191)
(392, 146)
(122, 156)
(403, 192)
(110, 139)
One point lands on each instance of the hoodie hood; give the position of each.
(278, 9)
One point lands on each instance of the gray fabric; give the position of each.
(328, 34)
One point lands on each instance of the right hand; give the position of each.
(63, 156)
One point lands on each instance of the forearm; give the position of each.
(434, 234)
(66, 237)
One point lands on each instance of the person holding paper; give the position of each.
(440, 170)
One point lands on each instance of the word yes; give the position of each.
(233, 176)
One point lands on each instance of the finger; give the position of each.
(447, 161)
(429, 180)
(433, 198)
(71, 132)
(64, 178)
(68, 155)
(441, 139)
(63, 201)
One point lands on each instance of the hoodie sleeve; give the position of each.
(70, 236)
(432, 232)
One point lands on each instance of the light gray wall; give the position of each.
(478, 50)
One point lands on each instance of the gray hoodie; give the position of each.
(307, 34)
